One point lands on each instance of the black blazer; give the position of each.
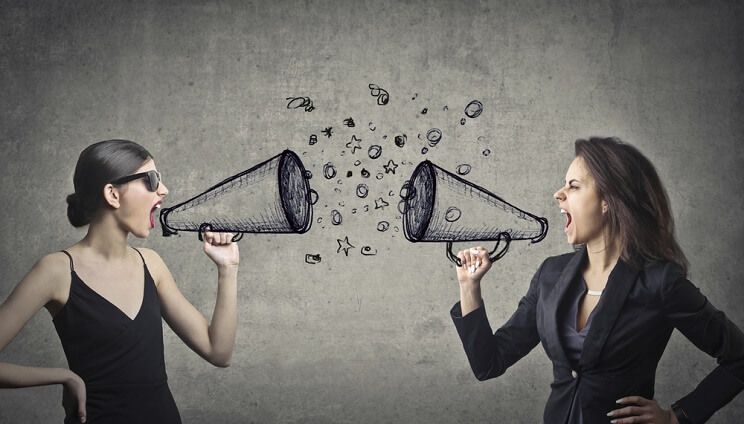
(630, 328)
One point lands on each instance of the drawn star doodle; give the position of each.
(328, 132)
(390, 167)
(344, 245)
(354, 144)
(380, 203)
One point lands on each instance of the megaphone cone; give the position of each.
(442, 207)
(272, 197)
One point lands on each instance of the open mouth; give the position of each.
(568, 219)
(152, 214)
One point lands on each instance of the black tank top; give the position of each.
(120, 359)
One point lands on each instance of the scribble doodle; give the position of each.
(382, 95)
(374, 151)
(312, 258)
(452, 214)
(328, 131)
(479, 216)
(380, 203)
(464, 169)
(349, 122)
(313, 197)
(400, 140)
(424, 110)
(365, 173)
(414, 96)
(362, 190)
(372, 126)
(368, 251)
(487, 152)
(390, 167)
(271, 197)
(329, 171)
(383, 226)
(336, 217)
(462, 121)
(349, 174)
(402, 207)
(434, 136)
(424, 150)
(308, 174)
(474, 109)
(344, 245)
(313, 139)
(300, 102)
(354, 144)
(379, 175)
(357, 162)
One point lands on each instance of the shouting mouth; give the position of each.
(568, 219)
(152, 214)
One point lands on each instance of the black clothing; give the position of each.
(120, 359)
(630, 328)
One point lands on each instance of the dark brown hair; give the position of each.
(638, 214)
(98, 165)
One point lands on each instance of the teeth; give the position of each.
(157, 206)
(563, 211)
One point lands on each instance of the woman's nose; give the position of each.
(559, 195)
(162, 189)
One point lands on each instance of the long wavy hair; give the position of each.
(639, 215)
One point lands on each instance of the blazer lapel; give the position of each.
(619, 283)
(554, 299)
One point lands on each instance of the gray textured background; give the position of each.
(367, 339)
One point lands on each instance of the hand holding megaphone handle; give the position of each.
(206, 227)
(492, 255)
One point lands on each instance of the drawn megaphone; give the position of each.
(442, 207)
(272, 197)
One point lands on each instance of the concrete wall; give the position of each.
(203, 85)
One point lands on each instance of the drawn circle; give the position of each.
(329, 171)
(368, 251)
(357, 162)
(374, 151)
(487, 152)
(474, 109)
(462, 121)
(365, 173)
(464, 169)
(405, 191)
(391, 193)
(379, 175)
(434, 136)
(425, 150)
(308, 174)
(452, 214)
(423, 112)
(362, 191)
(313, 197)
(320, 219)
(383, 226)
(400, 140)
(403, 206)
(336, 217)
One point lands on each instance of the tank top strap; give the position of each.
(72, 266)
(140, 253)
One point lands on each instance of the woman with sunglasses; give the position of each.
(107, 298)
(605, 313)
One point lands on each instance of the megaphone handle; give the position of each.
(492, 255)
(237, 237)
(203, 228)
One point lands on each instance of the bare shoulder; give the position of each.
(155, 264)
(48, 281)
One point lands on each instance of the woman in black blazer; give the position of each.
(604, 314)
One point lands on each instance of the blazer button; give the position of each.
(574, 374)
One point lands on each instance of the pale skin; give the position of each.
(106, 263)
(580, 200)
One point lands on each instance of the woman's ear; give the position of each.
(112, 196)
(604, 207)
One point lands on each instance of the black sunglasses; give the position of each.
(152, 179)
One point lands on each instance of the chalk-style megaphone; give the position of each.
(439, 206)
(272, 197)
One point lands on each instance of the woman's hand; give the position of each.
(474, 264)
(641, 410)
(74, 397)
(221, 249)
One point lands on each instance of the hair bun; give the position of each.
(75, 211)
